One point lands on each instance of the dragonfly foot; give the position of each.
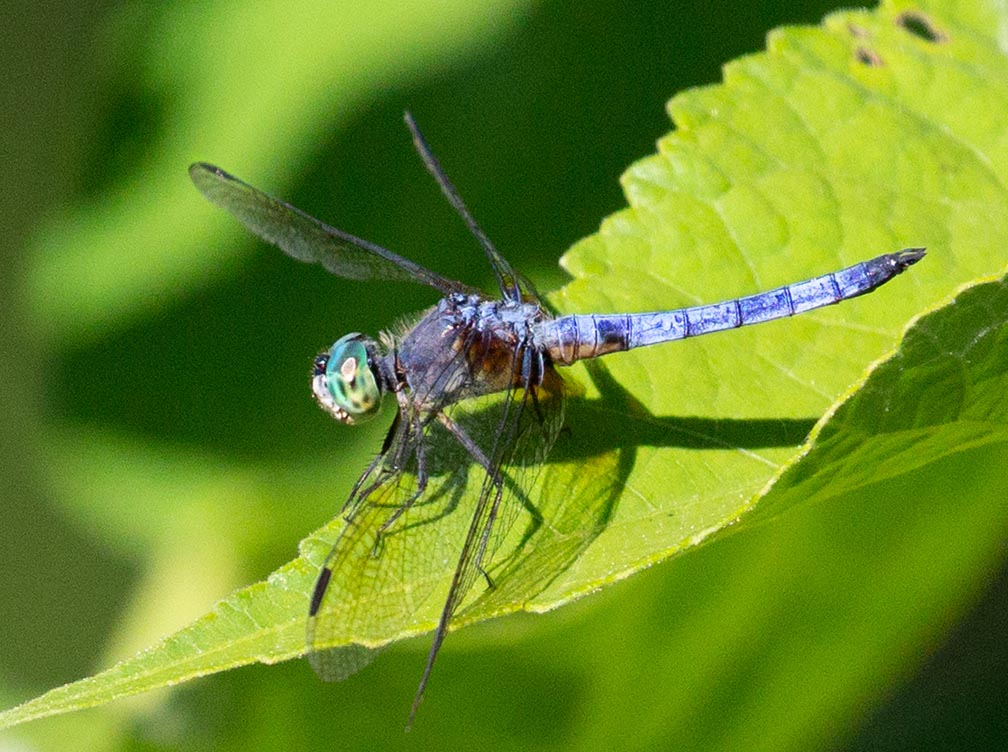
(378, 543)
(486, 576)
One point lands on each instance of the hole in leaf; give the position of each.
(920, 26)
(869, 57)
(858, 32)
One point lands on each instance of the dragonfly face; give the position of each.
(346, 380)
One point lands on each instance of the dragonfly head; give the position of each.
(346, 381)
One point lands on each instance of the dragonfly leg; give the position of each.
(470, 446)
(356, 495)
(533, 368)
(492, 475)
(353, 501)
(421, 477)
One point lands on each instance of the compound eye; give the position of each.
(344, 382)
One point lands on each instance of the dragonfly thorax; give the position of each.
(347, 381)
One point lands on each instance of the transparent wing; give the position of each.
(518, 429)
(513, 286)
(305, 238)
(436, 510)
(379, 579)
(480, 457)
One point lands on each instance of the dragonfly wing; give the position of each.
(513, 286)
(305, 238)
(336, 664)
(377, 582)
(512, 433)
(404, 578)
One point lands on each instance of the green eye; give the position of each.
(349, 389)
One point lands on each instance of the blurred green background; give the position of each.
(138, 414)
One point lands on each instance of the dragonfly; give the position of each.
(499, 351)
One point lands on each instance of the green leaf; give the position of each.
(840, 142)
(944, 393)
